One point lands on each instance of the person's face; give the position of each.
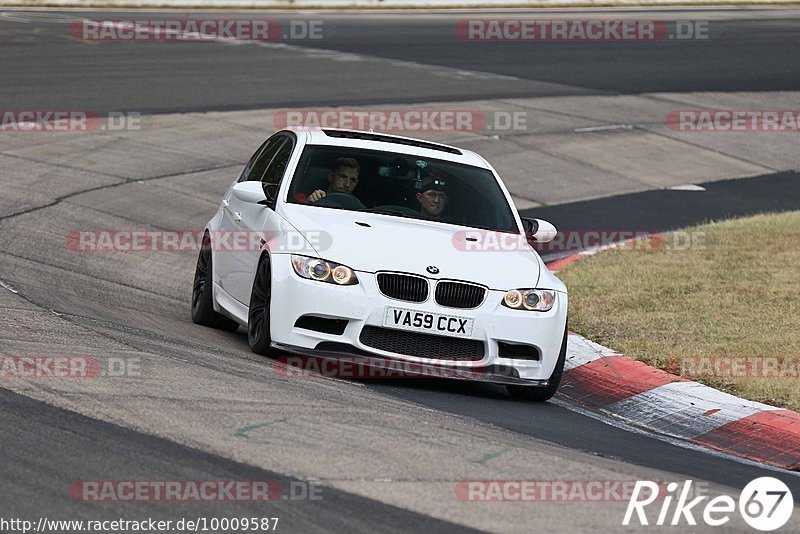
(343, 180)
(432, 202)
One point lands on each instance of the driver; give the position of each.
(343, 178)
(432, 197)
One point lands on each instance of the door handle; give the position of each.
(237, 217)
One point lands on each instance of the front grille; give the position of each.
(422, 345)
(459, 295)
(403, 287)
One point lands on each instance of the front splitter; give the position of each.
(355, 363)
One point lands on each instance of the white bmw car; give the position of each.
(335, 243)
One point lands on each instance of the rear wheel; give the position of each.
(202, 300)
(537, 394)
(258, 335)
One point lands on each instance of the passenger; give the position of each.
(432, 197)
(343, 178)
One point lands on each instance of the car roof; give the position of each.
(390, 143)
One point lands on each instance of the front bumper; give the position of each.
(363, 304)
(380, 367)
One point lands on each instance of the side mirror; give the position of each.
(250, 192)
(539, 230)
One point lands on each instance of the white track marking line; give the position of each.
(8, 287)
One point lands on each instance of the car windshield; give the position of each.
(400, 185)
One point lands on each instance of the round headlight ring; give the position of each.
(342, 275)
(531, 299)
(318, 269)
(513, 298)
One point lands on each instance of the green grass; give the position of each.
(737, 295)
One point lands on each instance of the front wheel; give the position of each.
(258, 335)
(537, 394)
(202, 299)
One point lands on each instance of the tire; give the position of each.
(537, 394)
(202, 300)
(258, 334)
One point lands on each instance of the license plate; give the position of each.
(434, 323)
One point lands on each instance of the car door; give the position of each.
(236, 216)
(257, 221)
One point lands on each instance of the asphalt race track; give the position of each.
(197, 404)
(744, 52)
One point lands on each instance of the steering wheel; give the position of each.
(341, 200)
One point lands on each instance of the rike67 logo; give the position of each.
(765, 504)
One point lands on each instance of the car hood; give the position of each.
(374, 242)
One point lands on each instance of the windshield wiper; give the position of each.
(386, 212)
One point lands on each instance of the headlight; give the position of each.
(529, 299)
(323, 271)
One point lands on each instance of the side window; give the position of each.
(255, 167)
(276, 169)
